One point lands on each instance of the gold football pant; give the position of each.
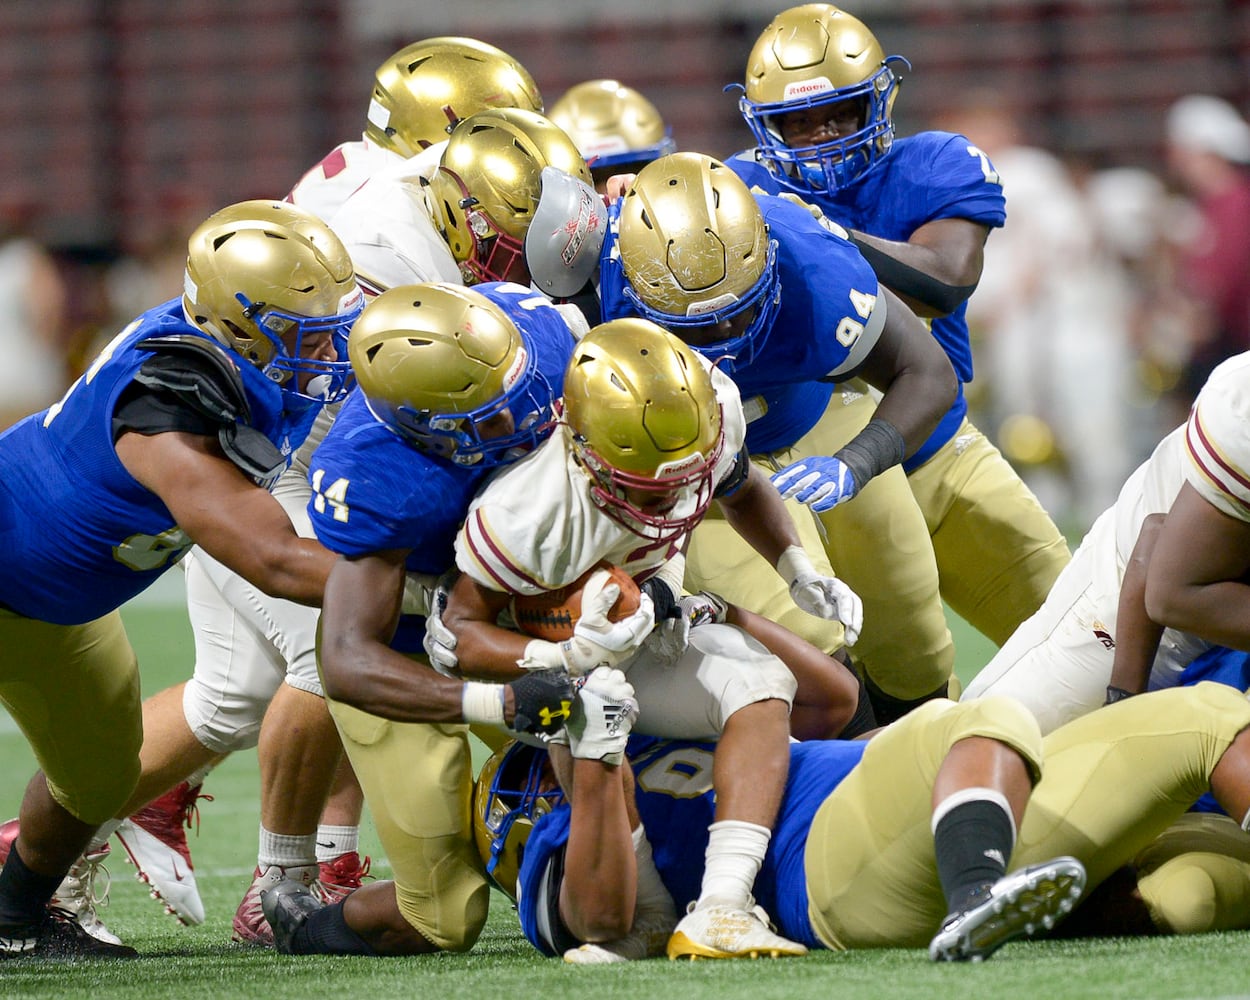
(1195, 877)
(1112, 781)
(878, 543)
(998, 551)
(74, 692)
(418, 782)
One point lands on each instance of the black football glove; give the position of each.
(544, 701)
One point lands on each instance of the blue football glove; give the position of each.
(820, 482)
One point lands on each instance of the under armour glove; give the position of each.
(823, 596)
(672, 635)
(596, 641)
(603, 716)
(440, 641)
(543, 701)
(820, 482)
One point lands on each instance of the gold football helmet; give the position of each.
(697, 258)
(487, 186)
(615, 127)
(812, 56)
(424, 87)
(268, 279)
(437, 361)
(646, 425)
(508, 800)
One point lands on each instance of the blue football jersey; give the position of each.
(79, 534)
(828, 295)
(372, 490)
(927, 176)
(677, 804)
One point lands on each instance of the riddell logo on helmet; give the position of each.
(806, 88)
(518, 366)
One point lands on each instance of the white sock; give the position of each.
(335, 840)
(101, 836)
(735, 852)
(197, 776)
(286, 851)
(652, 896)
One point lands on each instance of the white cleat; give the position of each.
(155, 840)
(648, 938)
(719, 931)
(1021, 903)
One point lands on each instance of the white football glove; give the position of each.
(598, 642)
(823, 596)
(602, 717)
(440, 641)
(672, 635)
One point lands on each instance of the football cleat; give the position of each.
(155, 840)
(286, 905)
(249, 925)
(719, 931)
(648, 938)
(58, 935)
(342, 876)
(84, 888)
(1023, 902)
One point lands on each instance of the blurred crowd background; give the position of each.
(1121, 277)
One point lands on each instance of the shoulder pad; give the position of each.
(199, 372)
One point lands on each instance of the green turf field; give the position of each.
(200, 962)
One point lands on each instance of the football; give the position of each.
(552, 614)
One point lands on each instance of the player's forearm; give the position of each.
(600, 883)
(1136, 634)
(1218, 612)
(376, 679)
(758, 514)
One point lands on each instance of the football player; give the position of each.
(787, 304)
(418, 92)
(851, 867)
(1177, 538)
(616, 128)
(818, 97)
(453, 383)
(172, 436)
(651, 434)
(248, 644)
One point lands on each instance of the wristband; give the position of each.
(876, 448)
(482, 702)
(541, 655)
(793, 563)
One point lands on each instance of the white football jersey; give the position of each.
(332, 181)
(535, 526)
(387, 229)
(1217, 439)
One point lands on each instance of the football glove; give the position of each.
(672, 635)
(820, 482)
(543, 701)
(596, 641)
(825, 597)
(602, 717)
(440, 641)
